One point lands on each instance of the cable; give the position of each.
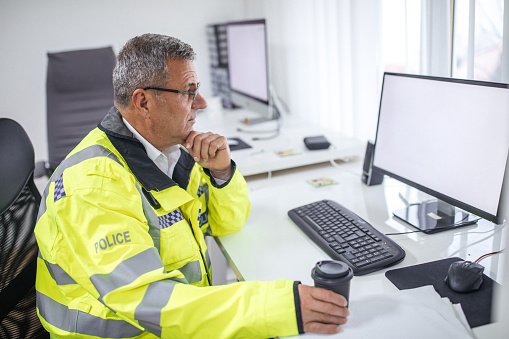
(263, 184)
(266, 138)
(274, 104)
(488, 254)
(257, 131)
(278, 130)
(495, 229)
(334, 164)
(404, 232)
(342, 166)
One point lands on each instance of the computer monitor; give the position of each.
(248, 65)
(448, 138)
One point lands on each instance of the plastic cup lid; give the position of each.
(331, 269)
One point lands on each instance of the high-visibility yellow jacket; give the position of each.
(122, 250)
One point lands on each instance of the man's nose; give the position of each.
(199, 102)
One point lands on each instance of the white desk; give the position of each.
(270, 246)
(262, 157)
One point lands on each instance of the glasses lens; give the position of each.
(196, 92)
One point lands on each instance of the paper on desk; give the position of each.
(414, 313)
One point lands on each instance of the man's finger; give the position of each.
(321, 328)
(321, 300)
(328, 296)
(219, 143)
(326, 318)
(197, 146)
(206, 145)
(189, 143)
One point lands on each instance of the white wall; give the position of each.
(324, 60)
(31, 28)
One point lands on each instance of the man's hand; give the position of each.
(322, 310)
(210, 151)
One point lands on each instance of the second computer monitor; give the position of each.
(248, 65)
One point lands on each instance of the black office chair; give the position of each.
(79, 92)
(19, 205)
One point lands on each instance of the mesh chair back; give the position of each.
(19, 204)
(79, 91)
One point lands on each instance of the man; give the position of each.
(122, 223)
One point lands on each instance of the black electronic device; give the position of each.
(316, 143)
(464, 276)
(346, 237)
(370, 176)
(448, 138)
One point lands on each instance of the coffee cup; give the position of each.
(333, 275)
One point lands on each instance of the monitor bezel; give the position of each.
(499, 217)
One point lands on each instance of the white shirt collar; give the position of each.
(152, 152)
(165, 160)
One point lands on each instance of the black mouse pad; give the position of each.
(241, 144)
(476, 305)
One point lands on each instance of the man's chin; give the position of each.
(187, 136)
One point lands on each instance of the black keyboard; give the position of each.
(346, 237)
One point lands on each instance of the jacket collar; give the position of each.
(135, 155)
(112, 124)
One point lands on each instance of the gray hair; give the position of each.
(142, 63)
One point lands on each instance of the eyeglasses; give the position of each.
(193, 94)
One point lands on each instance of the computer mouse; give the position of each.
(464, 276)
(232, 142)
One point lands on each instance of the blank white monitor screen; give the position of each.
(247, 59)
(447, 137)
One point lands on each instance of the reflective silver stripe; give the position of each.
(127, 271)
(90, 152)
(42, 206)
(153, 223)
(207, 258)
(57, 273)
(180, 280)
(148, 312)
(191, 271)
(79, 322)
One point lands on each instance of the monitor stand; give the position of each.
(435, 216)
(274, 110)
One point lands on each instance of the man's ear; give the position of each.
(140, 102)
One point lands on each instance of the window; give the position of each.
(477, 47)
(401, 36)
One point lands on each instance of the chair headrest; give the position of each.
(89, 69)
